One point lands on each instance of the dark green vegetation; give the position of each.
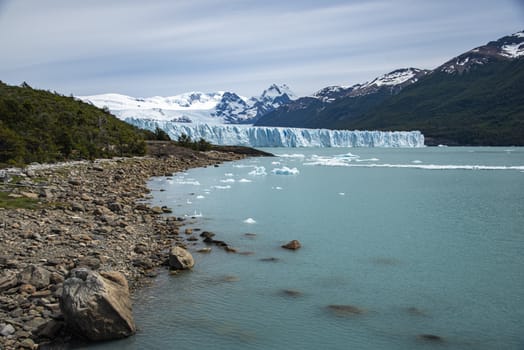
(40, 126)
(484, 106)
(186, 141)
(314, 113)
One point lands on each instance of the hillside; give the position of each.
(40, 126)
(484, 106)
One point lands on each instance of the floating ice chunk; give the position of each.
(416, 161)
(200, 197)
(244, 180)
(226, 187)
(278, 188)
(341, 194)
(368, 160)
(188, 182)
(229, 174)
(275, 163)
(294, 155)
(194, 215)
(188, 202)
(250, 221)
(258, 171)
(227, 181)
(240, 166)
(285, 171)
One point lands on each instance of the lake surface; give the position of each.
(418, 241)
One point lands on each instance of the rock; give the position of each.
(30, 195)
(8, 282)
(293, 245)
(431, 338)
(115, 207)
(345, 310)
(204, 250)
(75, 206)
(166, 210)
(180, 259)
(27, 289)
(207, 234)
(188, 231)
(157, 210)
(97, 305)
(6, 330)
(291, 293)
(50, 329)
(28, 343)
(271, 259)
(36, 276)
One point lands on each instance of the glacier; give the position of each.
(254, 136)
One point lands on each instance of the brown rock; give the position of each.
(180, 259)
(293, 245)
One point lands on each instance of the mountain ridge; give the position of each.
(224, 107)
(473, 99)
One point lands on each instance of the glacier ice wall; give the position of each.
(247, 135)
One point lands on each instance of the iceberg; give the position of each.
(255, 136)
(285, 171)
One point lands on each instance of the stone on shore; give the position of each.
(180, 259)
(96, 305)
(293, 245)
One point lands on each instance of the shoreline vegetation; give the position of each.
(94, 214)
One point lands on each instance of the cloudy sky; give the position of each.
(163, 47)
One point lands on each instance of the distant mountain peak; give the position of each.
(278, 90)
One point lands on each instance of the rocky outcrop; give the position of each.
(97, 305)
(180, 259)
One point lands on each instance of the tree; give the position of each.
(184, 140)
(161, 135)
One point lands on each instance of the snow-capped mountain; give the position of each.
(220, 107)
(393, 81)
(507, 48)
(357, 99)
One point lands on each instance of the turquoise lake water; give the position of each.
(420, 241)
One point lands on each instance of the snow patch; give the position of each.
(513, 50)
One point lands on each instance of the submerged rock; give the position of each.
(345, 310)
(97, 305)
(291, 293)
(431, 338)
(180, 259)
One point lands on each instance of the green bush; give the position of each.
(40, 126)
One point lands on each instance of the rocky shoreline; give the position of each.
(88, 214)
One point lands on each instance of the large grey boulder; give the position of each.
(180, 259)
(97, 305)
